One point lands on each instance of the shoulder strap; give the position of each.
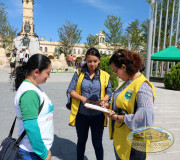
(24, 132)
(12, 128)
(78, 72)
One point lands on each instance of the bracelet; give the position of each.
(112, 115)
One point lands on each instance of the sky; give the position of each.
(89, 15)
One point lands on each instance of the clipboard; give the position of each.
(95, 107)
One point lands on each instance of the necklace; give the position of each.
(31, 80)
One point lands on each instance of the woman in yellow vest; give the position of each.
(91, 85)
(132, 103)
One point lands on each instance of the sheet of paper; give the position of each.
(92, 106)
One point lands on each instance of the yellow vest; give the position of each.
(104, 79)
(126, 100)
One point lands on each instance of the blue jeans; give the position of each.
(96, 123)
(25, 155)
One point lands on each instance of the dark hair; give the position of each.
(93, 52)
(131, 60)
(37, 61)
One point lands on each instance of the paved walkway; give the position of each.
(167, 115)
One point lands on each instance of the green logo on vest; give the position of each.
(128, 95)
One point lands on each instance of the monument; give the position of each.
(27, 38)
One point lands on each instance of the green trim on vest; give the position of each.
(104, 79)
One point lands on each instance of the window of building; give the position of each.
(40, 48)
(79, 51)
(104, 52)
(74, 51)
(46, 49)
(83, 51)
(55, 50)
(109, 52)
(100, 51)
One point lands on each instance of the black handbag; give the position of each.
(69, 99)
(10, 146)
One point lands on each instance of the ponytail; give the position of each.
(20, 75)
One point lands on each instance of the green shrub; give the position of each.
(104, 65)
(172, 79)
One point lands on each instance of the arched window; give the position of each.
(109, 52)
(55, 50)
(100, 51)
(40, 48)
(46, 49)
(79, 51)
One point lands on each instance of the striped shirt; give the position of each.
(144, 115)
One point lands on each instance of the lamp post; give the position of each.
(129, 41)
(149, 40)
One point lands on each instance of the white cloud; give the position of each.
(102, 4)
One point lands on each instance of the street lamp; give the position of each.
(129, 41)
(149, 40)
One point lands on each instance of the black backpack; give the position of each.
(69, 99)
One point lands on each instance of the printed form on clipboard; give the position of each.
(92, 106)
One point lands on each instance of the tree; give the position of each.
(92, 41)
(69, 35)
(164, 6)
(114, 27)
(7, 32)
(137, 38)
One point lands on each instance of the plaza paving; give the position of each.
(167, 115)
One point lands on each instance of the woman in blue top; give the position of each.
(91, 92)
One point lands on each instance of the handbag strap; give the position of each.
(24, 132)
(12, 128)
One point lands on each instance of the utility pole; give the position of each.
(129, 41)
(149, 40)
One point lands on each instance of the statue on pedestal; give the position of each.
(25, 40)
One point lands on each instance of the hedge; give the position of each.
(172, 79)
(104, 65)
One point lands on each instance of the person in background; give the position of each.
(25, 59)
(29, 96)
(15, 51)
(21, 56)
(70, 59)
(27, 52)
(132, 103)
(90, 85)
(12, 63)
(83, 63)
